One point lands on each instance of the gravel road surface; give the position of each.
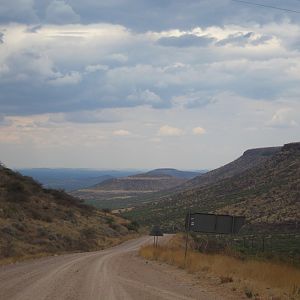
(115, 273)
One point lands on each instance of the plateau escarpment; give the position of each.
(263, 185)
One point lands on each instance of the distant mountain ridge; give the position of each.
(118, 192)
(174, 173)
(141, 182)
(72, 179)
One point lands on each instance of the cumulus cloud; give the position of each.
(146, 97)
(59, 12)
(96, 68)
(198, 131)
(121, 132)
(66, 64)
(66, 79)
(283, 118)
(167, 130)
(113, 67)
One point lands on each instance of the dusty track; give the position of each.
(115, 273)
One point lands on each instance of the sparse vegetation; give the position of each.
(35, 220)
(248, 275)
(133, 225)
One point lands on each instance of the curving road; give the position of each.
(115, 273)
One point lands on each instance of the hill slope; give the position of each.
(35, 220)
(130, 191)
(268, 193)
(248, 160)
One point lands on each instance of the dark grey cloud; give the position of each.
(22, 11)
(1, 37)
(242, 39)
(186, 40)
(141, 15)
(59, 12)
(87, 117)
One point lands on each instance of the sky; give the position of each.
(146, 84)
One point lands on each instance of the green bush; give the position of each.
(134, 226)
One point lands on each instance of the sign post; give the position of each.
(211, 223)
(187, 229)
(156, 232)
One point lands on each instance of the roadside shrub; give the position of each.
(11, 211)
(110, 220)
(42, 232)
(106, 210)
(19, 226)
(89, 233)
(9, 230)
(16, 192)
(133, 226)
(7, 249)
(115, 226)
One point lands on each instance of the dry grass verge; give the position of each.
(269, 280)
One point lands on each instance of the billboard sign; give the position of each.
(211, 223)
(156, 231)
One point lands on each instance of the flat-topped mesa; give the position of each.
(268, 151)
(292, 147)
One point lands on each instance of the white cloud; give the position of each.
(284, 117)
(167, 130)
(199, 131)
(96, 68)
(121, 132)
(146, 97)
(67, 79)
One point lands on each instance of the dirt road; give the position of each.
(115, 273)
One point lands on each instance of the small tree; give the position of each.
(106, 211)
(133, 225)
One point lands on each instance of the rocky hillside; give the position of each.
(266, 192)
(248, 160)
(38, 220)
